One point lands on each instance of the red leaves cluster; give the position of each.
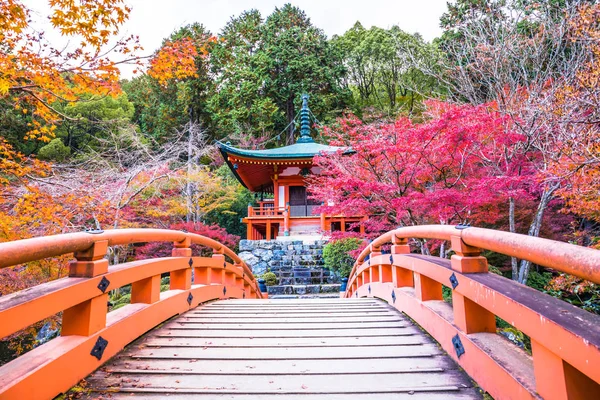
(456, 167)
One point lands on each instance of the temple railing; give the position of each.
(266, 211)
(89, 334)
(565, 340)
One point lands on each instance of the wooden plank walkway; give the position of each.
(336, 349)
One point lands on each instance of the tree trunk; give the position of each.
(188, 185)
(534, 228)
(511, 223)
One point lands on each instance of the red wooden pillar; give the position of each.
(249, 230)
(268, 230)
(469, 316)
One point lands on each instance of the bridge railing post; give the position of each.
(181, 279)
(239, 280)
(374, 268)
(217, 275)
(469, 316)
(89, 316)
(90, 262)
(402, 277)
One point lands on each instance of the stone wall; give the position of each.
(277, 255)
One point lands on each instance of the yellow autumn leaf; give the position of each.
(4, 86)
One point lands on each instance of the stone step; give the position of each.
(303, 289)
(306, 296)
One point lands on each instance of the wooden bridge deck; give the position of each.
(257, 349)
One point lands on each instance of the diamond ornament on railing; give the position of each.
(99, 348)
(453, 281)
(103, 285)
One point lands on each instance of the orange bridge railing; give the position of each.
(90, 335)
(565, 360)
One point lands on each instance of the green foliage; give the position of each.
(297, 58)
(336, 255)
(263, 67)
(384, 68)
(161, 110)
(54, 151)
(495, 270)
(539, 280)
(447, 294)
(579, 292)
(121, 301)
(270, 278)
(92, 120)
(165, 283)
(513, 334)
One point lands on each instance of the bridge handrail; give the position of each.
(565, 340)
(90, 334)
(37, 248)
(576, 260)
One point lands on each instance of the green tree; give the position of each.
(239, 105)
(161, 109)
(297, 58)
(91, 119)
(384, 68)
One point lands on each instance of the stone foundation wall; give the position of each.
(278, 255)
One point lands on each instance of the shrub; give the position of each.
(270, 278)
(54, 151)
(577, 291)
(336, 255)
(539, 280)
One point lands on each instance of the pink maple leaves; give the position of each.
(459, 165)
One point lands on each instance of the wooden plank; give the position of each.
(287, 320)
(287, 342)
(310, 349)
(464, 394)
(290, 309)
(447, 381)
(337, 302)
(292, 326)
(291, 313)
(282, 367)
(178, 331)
(285, 353)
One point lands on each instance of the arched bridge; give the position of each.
(214, 334)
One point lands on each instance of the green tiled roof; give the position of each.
(298, 150)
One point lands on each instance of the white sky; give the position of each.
(153, 20)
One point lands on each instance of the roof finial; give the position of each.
(305, 122)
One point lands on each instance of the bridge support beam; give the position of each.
(470, 317)
(557, 379)
(427, 288)
(146, 290)
(85, 318)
